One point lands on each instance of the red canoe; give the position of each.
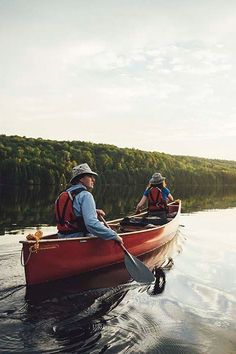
(51, 258)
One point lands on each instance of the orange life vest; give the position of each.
(67, 221)
(155, 200)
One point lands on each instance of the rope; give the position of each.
(33, 248)
(21, 258)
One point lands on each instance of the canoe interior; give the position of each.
(138, 222)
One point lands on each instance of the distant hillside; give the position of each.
(38, 161)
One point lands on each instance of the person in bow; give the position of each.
(75, 208)
(157, 195)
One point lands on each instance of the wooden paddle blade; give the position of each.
(137, 269)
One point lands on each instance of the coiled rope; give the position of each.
(33, 248)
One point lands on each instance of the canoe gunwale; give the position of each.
(122, 234)
(83, 238)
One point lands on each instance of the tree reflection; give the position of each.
(33, 206)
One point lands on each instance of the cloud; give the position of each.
(158, 69)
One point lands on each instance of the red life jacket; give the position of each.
(67, 221)
(155, 200)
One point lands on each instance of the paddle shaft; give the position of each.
(135, 267)
(108, 226)
(104, 221)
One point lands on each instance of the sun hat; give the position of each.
(82, 169)
(156, 178)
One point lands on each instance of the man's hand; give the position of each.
(100, 212)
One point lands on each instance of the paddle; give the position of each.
(135, 267)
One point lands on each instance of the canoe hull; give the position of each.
(61, 258)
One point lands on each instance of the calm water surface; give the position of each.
(190, 309)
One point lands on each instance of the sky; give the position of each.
(155, 75)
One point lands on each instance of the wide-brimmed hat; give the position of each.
(156, 178)
(82, 169)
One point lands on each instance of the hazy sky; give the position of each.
(157, 75)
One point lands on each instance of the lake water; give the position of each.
(190, 309)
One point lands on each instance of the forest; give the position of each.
(31, 161)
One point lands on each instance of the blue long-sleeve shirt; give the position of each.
(84, 205)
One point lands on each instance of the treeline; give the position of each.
(38, 161)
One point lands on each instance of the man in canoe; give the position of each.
(75, 208)
(157, 195)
